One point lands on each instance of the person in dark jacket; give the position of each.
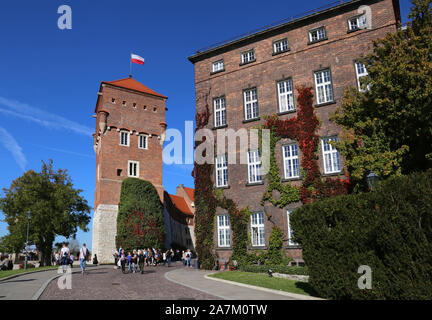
(141, 260)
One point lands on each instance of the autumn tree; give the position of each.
(57, 209)
(388, 124)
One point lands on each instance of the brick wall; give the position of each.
(338, 53)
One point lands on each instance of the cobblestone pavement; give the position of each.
(111, 284)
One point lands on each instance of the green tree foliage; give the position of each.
(56, 209)
(389, 230)
(388, 128)
(140, 221)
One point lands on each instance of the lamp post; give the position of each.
(26, 246)
(372, 180)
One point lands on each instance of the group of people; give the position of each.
(65, 258)
(137, 259)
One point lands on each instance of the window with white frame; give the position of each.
(317, 34)
(217, 66)
(291, 161)
(332, 163)
(360, 73)
(251, 104)
(124, 138)
(257, 228)
(324, 87)
(290, 231)
(254, 166)
(280, 46)
(224, 236)
(248, 56)
(219, 111)
(358, 22)
(142, 141)
(285, 95)
(133, 170)
(222, 171)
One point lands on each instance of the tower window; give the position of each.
(154, 109)
(119, 171)
(142, 141)
(113, 100)
(145, 107)
(133, 169)
(134, 105)
(124, 104)
(124, 138)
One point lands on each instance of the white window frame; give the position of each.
(359, 75)
(291, 161)
(281, 46)
(218, 65)
(323, 86)
(285, 95)
(145, 137)
(136, 169)
(331, 156)
(289, 229)
(221, 171)
(219, 107)
(250, 98)
(257, 229)
(357, 23)
(127, 138)
(318, 33)
(248, 56)
(224, 232)
(254, 166)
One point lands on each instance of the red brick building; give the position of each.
(254, 75)
(130, 130)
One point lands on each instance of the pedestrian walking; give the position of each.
(129, 258)
(71, 260)
(188, 258)
(123, 260)
(146, 256)
(82, 258)
(169, 254)
(141, 259)
(64, 257)
(134, 260)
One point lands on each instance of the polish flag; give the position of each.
(137, 59)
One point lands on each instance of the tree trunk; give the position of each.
(45, 248)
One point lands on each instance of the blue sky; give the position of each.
(49, 77)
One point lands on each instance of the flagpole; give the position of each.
(130, 67)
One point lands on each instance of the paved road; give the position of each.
(111, 284)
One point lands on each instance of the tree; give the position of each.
(140, 221)
(387, 127)
(56, 209)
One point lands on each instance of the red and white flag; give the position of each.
(137, 59)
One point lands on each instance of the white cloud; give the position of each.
(43, 118)
(10, 144)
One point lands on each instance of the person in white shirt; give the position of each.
(64, 256)
(82, 257)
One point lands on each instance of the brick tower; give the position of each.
(130, 130)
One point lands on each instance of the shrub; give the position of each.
(389, 230)
(140, 221)
(275, 268)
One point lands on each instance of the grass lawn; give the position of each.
(263, 280)
(7, 273)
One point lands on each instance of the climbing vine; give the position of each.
(302, 128)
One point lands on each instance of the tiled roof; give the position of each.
(132, 84)
(190, 193)
(180, 203)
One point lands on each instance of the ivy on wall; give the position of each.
(302, 128)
